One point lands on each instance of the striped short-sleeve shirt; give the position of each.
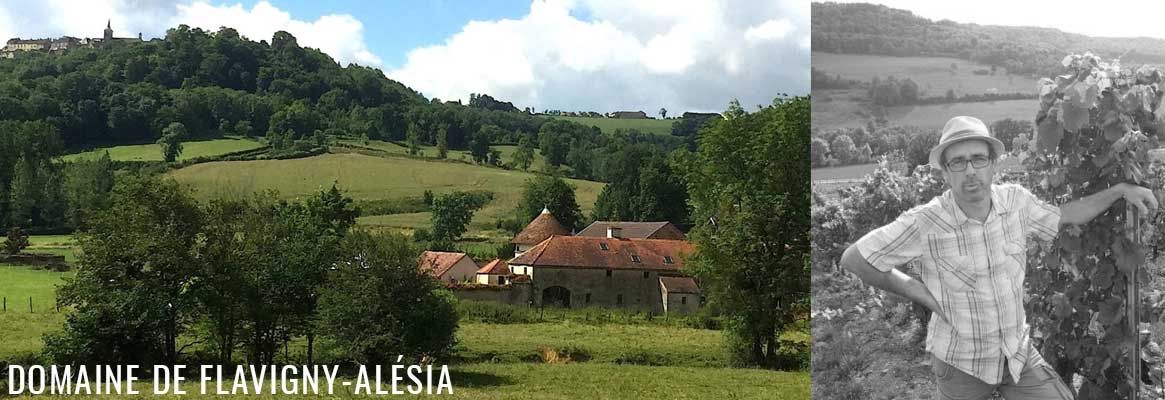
(975, 270)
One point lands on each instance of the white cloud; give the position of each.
(681, 55)
(341, 36)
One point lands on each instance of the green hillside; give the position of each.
(609, 125)
(369, 177)
(153, 152)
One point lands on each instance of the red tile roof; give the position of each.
(679, 284)
(495, 267)
(587, 252)
(437, 263)
(634, 230)
(542, 227)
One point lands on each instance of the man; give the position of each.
(971, 245)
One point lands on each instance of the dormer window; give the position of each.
(603, 246)
(635, 258)
(667, 260)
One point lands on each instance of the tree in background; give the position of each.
(1006, 130)
(843, 149)
(442, 141)
(751, 207)
(662, 113)
(452, 212)
(524, 156)
(479, 144)
(819, 152)
(552, 193)
(413, 138)
(380, 305)
(642, 186)
(171, 141)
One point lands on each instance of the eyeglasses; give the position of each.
(960, 164)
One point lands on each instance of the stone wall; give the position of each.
(516, 293)
(637, 291)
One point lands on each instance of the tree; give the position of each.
(551, 193)
(171, 141)
(479, 145)
(918, 150)
(818, 152)
(749, 171)
(642, 186)
(129, 298)
(413, 138)
(380, 305)
(442, 141)
(1007, 129)
(16, 241)
(843, 149)
(24, 194)
(524, 156)
(662, 113)
(452, 212)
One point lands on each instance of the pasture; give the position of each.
(609, 125)
(153, 152)
(934, 116)
(507, 151)
(932, 74)
(369, 177)
(508, 361)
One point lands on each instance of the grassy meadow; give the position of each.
(933, 74)
(609, 125)
(370, 177)
(508, 361)
(153, 152)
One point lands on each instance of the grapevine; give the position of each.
(1095, 126)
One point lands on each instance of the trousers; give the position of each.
(1038, 381)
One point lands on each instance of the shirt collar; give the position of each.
(998, 206)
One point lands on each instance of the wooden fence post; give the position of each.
(30, 304)
(1133, 299)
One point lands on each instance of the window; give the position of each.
(683, 299)
(667, 260)
(646, 274)
(608, 273)
(588, 298)
(635, 258)
(603, 246)
(501, 280)
(619, 299)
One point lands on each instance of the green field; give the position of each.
(369, 177)
(153, 152)
(502, 361)
(609, 125)
(932, 74)
(506, 151)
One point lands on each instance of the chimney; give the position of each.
(614, 232)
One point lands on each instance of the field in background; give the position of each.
(506, 151)
(369, 177)
(153, 152)
(932, 74)
(609, 125)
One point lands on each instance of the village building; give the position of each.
(680, 294)
(585, 271)
(629, 115)
(496, 272)
(15, 45)
(541, 228)
(633, 230)
(448, 266)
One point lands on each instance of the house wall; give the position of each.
(638, 292)
(491, 279)
(676, 303)
(464, 270)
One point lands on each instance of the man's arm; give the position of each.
(1083, 210)
(893, 281)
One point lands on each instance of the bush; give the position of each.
(17, 240)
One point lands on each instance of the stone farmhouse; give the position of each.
(448, 266)
(611, 264)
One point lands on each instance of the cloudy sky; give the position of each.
(599, 55)
(1125, 18)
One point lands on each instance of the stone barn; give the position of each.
(681, 295)
(448, 267)
(583, 271)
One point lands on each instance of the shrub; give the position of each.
(17, 240)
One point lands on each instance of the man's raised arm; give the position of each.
(1083, 210)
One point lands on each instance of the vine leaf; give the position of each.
(1128, 255)
(1074, 116)
(1050, 131)
(1060, 305)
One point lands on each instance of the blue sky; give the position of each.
(573, 55)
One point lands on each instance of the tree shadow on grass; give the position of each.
(478, 379)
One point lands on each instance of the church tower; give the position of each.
(108, 31)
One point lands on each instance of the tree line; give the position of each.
(911, 144)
